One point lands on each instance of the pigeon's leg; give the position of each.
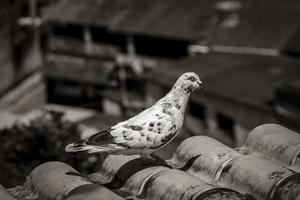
(154, 156)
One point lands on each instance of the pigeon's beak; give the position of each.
(199, 84)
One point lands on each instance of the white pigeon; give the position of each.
(148, 131)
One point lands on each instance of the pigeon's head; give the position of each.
(188, 81)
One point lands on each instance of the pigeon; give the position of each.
(149, 130)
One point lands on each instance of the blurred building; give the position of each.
(98, 52)
(252, 27)
(287, 103)
(19, 40)
(292, 47)
(240, 92)
(88, 64)
(223, 29)
(79, 55)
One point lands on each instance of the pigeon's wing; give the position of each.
(100, 138)
(141, 118)
(150, 129)
(99, 142)
(146, 130)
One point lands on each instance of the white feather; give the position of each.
(151, 129)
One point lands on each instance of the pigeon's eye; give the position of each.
(191, 78)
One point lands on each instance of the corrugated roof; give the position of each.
(266, 167)
(270, 27)
(262, 25)
(245, 78)
(184, 20)
(90, 12)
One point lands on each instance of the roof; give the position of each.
(90, 12)
(270, 27)
(266, 167)
(222, 75)
(185, 20)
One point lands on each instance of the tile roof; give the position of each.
(56, 180)
(266, 167)
(260, 74)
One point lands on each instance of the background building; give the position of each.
(240, 92)
(98, 53)
(118, 56)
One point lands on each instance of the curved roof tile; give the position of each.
(57, 180)
(211, 156)
(202, 168)
(277, 142)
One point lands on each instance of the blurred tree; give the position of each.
(24, 146)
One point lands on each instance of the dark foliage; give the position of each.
(24, 146)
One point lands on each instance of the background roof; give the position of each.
(246, 78)
(90, 12)
(272, 25)
(168, 18)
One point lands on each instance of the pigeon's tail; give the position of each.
(81, 147)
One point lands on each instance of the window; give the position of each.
(71, 31)
(73, 93)
(197, 110)
(158, 47)
(225, 123)
(101, 35)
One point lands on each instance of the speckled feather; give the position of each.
(149, 130)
